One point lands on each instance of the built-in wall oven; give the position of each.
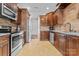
(16, 42)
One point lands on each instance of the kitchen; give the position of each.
(59, 27)
(12, 28)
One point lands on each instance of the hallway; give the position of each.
(39, 48)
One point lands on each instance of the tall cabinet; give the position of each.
(23, 16)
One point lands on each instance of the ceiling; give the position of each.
(36, 9)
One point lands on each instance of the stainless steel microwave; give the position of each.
(7, 12)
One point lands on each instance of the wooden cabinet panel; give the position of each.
(23, 18)
(6, 49)
(55, 19)
(4, 45)
(43, 20)
(62, 43)
(0, 51)
(44, 35)
(56, 37)
(58, 17)
(68, 45)
(50, 19)
(72, 47)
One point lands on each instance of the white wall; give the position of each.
(34, 22)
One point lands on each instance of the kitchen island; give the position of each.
(67, 42)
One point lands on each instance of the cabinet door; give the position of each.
(72, 46)
(50, 19)
(5, 49)
(56, 38)
(77, 46)
(43, 20)
(62, 43)
(55, 18)
(4, 45)
(44, 35)
(0, 51)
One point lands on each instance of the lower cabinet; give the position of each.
(62, 43)
(68, 45)
(4, 46)
(56, 37)
(72, 46)
(44, 35)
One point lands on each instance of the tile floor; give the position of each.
(39, 48)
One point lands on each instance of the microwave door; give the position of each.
(6, 12)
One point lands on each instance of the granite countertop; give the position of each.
(1, 34)
(67, 33)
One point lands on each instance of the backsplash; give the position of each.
(6, 22)
(70, 15)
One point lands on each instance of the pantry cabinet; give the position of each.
(4, 45)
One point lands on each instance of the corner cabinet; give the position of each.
(4, 45)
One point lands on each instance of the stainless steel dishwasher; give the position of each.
(52, 37)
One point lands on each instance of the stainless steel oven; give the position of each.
(16, 42)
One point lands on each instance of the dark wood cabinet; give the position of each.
(72, 45)
(62, 43)
(43, 20)
(4, 45)
(68, 45)
(49, 17)
(23, 17)
(44, 35)
(55, 20)
(56, 37)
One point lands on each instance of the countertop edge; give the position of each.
(2, 34)
(67, 33)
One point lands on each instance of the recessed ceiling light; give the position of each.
(47, 8)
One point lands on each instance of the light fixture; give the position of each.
(47, 8)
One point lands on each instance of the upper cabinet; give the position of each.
(23, 16)
(49, 17)
(59, 16)
(43, 20)
(8, 10)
